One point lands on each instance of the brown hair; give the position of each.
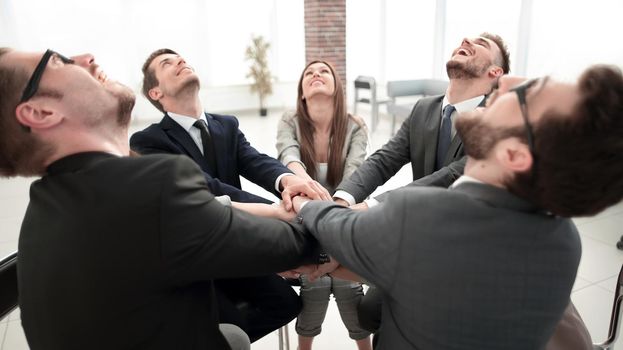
(21, 152)
(580, 156)
(149, 76)
(339, 127)
(504, 60)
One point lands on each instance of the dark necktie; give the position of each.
(208, 147)
(445, 136)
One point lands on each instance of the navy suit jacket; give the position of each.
(234, 155)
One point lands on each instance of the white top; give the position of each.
(463, 106)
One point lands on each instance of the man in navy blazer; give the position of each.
(223, 153)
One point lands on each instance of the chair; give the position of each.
(403, 88)
(8, 285)
(615, 318)
(368, 83)
(283, 333)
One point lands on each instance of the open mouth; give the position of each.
(102, 77)
(463, 52)
(316, 81)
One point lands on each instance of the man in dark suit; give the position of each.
(123, 249)
(224, 154)
(490, 263)
(427, 139)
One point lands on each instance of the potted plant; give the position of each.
(262, 79)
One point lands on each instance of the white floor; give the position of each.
(592, 294)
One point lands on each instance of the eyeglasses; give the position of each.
(35, 78)
(520, 90)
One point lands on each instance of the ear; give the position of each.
(155, 93)
(514, 155)
(495, 71)
(36, 115)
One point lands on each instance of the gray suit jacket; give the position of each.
(415, 142)
(354, 152)
(473, 267)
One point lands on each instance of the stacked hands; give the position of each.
(298, 191)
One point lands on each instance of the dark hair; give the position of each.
(504, 60)
(580, 155)
(21, 152)
(339, 127)
(149, 76)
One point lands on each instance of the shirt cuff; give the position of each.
(345, 196)
(279, 180)
(371, 202)
(224, 200)
(303, 205)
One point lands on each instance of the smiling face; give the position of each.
(474, 58)
(317, 79)
(482, 129)
(71, 87)
(174, 76)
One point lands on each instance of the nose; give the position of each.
(466, 41)
(85, 60)
(180, 61)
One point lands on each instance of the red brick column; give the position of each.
(325, 33)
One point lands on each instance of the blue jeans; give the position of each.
(315, 297)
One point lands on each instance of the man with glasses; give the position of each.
(490, 262)
(428, 140)
(119, 252)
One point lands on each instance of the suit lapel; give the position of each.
(181, 136)
(431, 134)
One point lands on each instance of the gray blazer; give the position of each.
(415, 142)
(288, 134)
(473, 267)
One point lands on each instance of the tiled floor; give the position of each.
(592, 292)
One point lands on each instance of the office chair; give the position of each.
(8, 285)
(615, 318)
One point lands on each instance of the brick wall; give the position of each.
(325, 33)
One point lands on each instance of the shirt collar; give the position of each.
(464, 106)
(185, 121)
(464, 179)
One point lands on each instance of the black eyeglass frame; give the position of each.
(33, 83)
(520, 90)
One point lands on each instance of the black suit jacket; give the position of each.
(234, 155)
(415, 142)
(120, 253)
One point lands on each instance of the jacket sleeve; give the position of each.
(358, 239)
(202, 239)
(443, 177)
(288, 147)
(144, 143)
(381, 165)
(257, 167)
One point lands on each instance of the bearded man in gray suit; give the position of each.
(427, 139)
(490, 263)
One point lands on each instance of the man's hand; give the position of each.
(324, 269)
(295, 186)
(359, 206)
(297, 272)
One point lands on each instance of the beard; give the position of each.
(478, 137)
(466, 70)
(125, 103)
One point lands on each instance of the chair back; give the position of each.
(8, 285)
(615, 317)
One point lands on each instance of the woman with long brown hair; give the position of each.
(321, 141)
